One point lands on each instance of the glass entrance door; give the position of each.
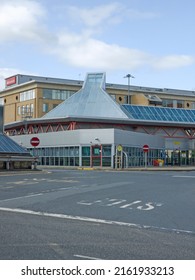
(96, 155)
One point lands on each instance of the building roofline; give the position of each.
(92, 120)
(50, 80)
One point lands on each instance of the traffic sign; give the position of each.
(119, 148)
(35, 141)
(145, 148)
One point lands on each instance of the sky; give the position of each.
(153, 40)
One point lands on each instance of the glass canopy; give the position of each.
(160, 113)
(8, 146)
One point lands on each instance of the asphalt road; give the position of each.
(72, 214)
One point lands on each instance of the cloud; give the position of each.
(140, 15)
(4, 73)
(23, 20)
(83, 51)
(93, 17)
(8, 72)
(173, 61)
(20, 20)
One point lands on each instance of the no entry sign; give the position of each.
(34, 141)
(145, 148)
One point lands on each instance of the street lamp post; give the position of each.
(129, 76)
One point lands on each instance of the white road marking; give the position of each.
(57, 248)
(19, 197)
(86, 257)
(115, 203)
(130, 204)
(183, 176)
(93, 220)
(84, 203)
(22, 173)
(64, 216)
(149, 207)
(24, 182)
(36, 181)
(9, 187)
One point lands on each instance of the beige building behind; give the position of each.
(26, 97)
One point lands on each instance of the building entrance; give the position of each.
(180, 157)
(96, 155)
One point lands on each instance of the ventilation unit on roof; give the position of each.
(153, 99)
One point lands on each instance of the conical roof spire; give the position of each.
(91, 101)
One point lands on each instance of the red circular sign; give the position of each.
(35, 141)
(145, 148)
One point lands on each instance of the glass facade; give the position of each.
(161, 113)
(70, 156)
(57, 94)
(179, 157)
(136, 156)
(101, 156)
(60, 156)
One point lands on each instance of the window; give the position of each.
(23, 110)
(19, 110)
(113, 96)
(172, 103)
(45, 107)
(57, 94)
(106, 151)
(180, 104)
(193, 105)
(26, 110)
(27, 95)
(32, 108)
(86, 151)
(68, 156)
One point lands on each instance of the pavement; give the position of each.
(149, 168)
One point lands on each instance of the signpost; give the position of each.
(145, 150)
(35, 141)
(118, 156)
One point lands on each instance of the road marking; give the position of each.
(92, 220)
(57, 249)
(64, 216)
(10, 173)
(127, 205)
(19, 197)
(84, 203)
(24, 182)
(149, 206)
(183, 176)
(86, 257)
(34, 181)
(9, 187)
(115, 202)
